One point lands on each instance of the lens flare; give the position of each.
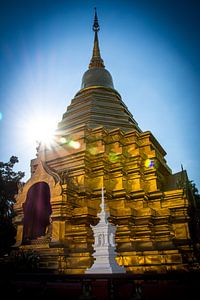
(1, 116)
(149, 163)
(63, 140)
(74, 144)
(93, 150)
(113, 158)
(71, 143)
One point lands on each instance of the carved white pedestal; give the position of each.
(104, 246)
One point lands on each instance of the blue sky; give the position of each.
(151, 48)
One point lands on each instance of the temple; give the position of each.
(98, 143)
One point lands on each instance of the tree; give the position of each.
(195, 193)
(9, 181)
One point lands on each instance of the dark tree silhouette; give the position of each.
(195, 193)
(9, 181)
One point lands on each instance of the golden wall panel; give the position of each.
(148, 218)
(181, 231)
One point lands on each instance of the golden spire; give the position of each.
(96, 60)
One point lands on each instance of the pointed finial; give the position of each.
(103, 215)
(96, 60)
(96, 23)
(102, 198)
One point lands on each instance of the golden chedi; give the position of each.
(98, 143)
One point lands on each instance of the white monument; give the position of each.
(104, 245)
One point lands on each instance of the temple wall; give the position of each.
(152, 224)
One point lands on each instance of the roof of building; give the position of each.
(176, 181)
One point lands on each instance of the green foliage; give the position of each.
(20, 261)
(9, 181)
(23, 260)
(195, 193)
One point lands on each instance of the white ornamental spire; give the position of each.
(103, 215)
(102, 199)
(104, 244)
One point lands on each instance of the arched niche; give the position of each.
(37, 211)
(42, 174)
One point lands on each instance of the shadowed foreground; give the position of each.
(102, 286)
